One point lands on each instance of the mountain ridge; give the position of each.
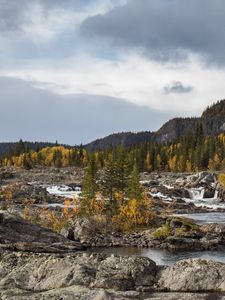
(212, 122)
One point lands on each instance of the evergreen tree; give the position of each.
(122, 171)
(134, 189)
(109, 179)
(89, 184)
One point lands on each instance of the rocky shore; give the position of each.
(174, 234)
(17, 234)
(36, 263)
(97, 276)
(167, 189)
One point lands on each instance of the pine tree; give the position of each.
(122, 170)
(134, 189)
(89, 184)
(109, 179)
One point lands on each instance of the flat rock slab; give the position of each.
(16, 234)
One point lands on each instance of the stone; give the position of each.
(193, 275)
(16, 234)
(125, 273)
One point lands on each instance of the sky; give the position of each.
(77, 70)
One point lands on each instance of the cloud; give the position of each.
(134, 78)
(177, 87)
(20, 16)
(164, 30)
(34, 114)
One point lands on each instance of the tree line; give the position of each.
(193, 152)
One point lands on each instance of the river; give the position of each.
(161, 256)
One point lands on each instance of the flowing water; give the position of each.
(197, 197)
(64, 191)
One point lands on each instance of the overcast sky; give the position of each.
(77, 70)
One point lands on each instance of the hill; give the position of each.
(212, 122)
(5, 148)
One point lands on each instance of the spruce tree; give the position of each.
(89, 184)
(109, 179)
(122, 171)
(134, 189)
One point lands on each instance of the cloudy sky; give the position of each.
(76, 70)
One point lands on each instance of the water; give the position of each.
(197, 193)
(161, 256)
(64, 191)
(211, 203)
(205, 218)
(197, 197)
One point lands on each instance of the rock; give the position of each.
(213, 229)
(39, 272)
(103, 295)
(211, 243)
(208, 178)
(4, 175)
(185, 296)
(68, 233)
(209, 192)
(193, 275)
(221, 192)
(182, 244)
(16, 234)
(73, 276)
(44, 272)
(71, 293)
(178, 193)
(125, 273)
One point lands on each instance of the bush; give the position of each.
(162, 232)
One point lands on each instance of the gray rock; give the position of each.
(193, 275)
(18, 234)
(125, 273)
(44, 272)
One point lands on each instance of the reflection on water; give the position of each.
(160, 256)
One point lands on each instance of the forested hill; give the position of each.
(212, 122)
(127, 139)
(6, 148)
(181, 145)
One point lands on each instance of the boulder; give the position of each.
(174, 243)
(221, 192)
(193, 275)
(125, 273)
(43, 272)
(209, 192)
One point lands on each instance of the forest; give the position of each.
(191, 153)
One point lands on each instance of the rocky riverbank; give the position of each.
(171, 233)
(81, 276)
(169, 190)
(36, 263)
(16, 234)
